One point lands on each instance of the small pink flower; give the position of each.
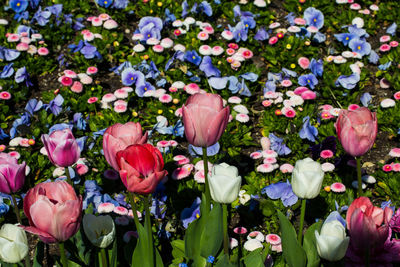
(387, 168)
(120, 210)
(304, 62)
(5, 95)
(308, 95)
(242, 117)
(22, 47)
(202, 36)
(230, 51)
(104, 16)
(199, 177)
(92, 100)
(273, 239)
(240, 230)
(326, 115)
(395, 152)
(233, 46)
(121, 93)
(396, 167)
(270, 160)
(265, 168)
(106, 207)
(300, 90)
(77, 87)
(289, 112)
(273, 40)
(338, 187)
(286, 83)
(70, 73)
(43, 51)
(266, 103)
(14, 154)
(397, 95)
(364, 11)
(182, 172)
(247, 54)
(394, 43)
(286, 168)
(355, 6)
(165, 98)
(177, 32)
(191, 88)
(2, 148)
(163, 143)
(97, 22)
(120, 108)
(300, 21)
(384, 48)
(158, 48)
(384, 39)
(326, 154)
(173, 89)
(66, 81)
(91, 70)
(12, 38)
(256, 155)
(107, 98)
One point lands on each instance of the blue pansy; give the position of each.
(104, 3)
(366, 99)
(289, 72)
(239, 32)
(42, 17)
(188, 215)
(120, 4)
(193, 57)
(249, 22)
(392, 29)
(121, 67)
(278, 146)
(345, 38)
(3, 135)
(361, 33)
(89, 51)
(141, 89)
(319, 37)
(205, 8)
(55, 105)
(170, 17)
(385, 66)
(18, 5)
(55, 9)
(281, 191)
(7, 71)
(185, 7)
(308, 80)
(308, 131)
(4, 208)
(269, 86)
(130, 76)
(195, 151)
(290, 18)
(23, 75)
(360, 46)
(373, 57)
(317, 67)
(208, 68)
(177, 130)
(33, 105)
(314, 17)
(79, 121)
(348, 81)
(8, 54)
(261, 34)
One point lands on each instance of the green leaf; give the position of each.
(212, 236)
(292, 251)
(224, 262)
(39, 255)
(310, 245)
(254, 259)
(141, 252)
(178, 248)
(112, 254)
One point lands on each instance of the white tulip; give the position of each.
(332, 242)
(100, 230)
(224, 183)
(13, 243)
(307, 177)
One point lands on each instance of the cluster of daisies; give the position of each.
(104, 20)
(255, 240)
(26, 42)
(76, 81)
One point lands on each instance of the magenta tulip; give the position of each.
(205, 119)
(120, 136)
(12, 174)
(61, 147)
(356, 130)
(53, 210)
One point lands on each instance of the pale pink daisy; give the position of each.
(286, 83)
(235, 64)
(395, 152)
(327, 167)
(274, 25)
(166, 43)
(276, 248)
(384, 38)
(394, 44)
(110, 24)
(77, 87)
(88, 36)
(70, 73)
(227, 35)
(217, 50)
(43, 51)
(273, 40)
(14, 154)
(92, 100)
(182, 172)
(300, 21)
(120, 210)
(265, 168)
(91, 70)
(5, 95)
(28, 40)
(364, 11)
(178, 112)
(22, 47)
(104, 16)
(96, 21)
(202, 36)
(269, 153)
(374, 7)
(120, 102)
(256, 155)
(24, 142)
(208, 29)
(121, 93)
(266, 103)
(165, 98)
(286, 168)
(396, 167)
(158, 48)
(326, 115)
(137, 37)
(84, 78)
(106, 207)
(12, 38)
(247, 54)
(191, 88)
(270, 160)
(338, 187)
(273, 239)
(256, 235)
(303, 62)
(199, 177)
(32, 50)
(241, 117)
(355, 6)
(205, 50)
(234, 100)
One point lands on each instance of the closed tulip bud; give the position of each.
(224, 183)
(12, 174)
(332, 242)
(204, 118)
(61, 147)
(100, 230)
(307, 178)
(13, 243)
(356, 130)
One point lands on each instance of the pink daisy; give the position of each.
(70, 73)
(240, 230)
(300, 21)
(14, 154)
(106, 207)
(158, 48)
(247, 54)
(91, 70)
(384, 39)
(121, 93)
(120, 108)
(165, 98)
(286, 168)
(395, 152)
(65, 80)
(77, 87)
(202, 36)
(270, 160)
(217, 50)
(5, 95)
(394, 44)
(120, 210)
(300, 90)
(326, 115)
(396, 167)
(286, 83)
(273, 239)
(256, 155)
(12, 38)
(191, 88)
(182, 172)
(242, 117)
(326, 154)
(308, 95)
(338, 187)
(92, 100)
(22, 47)
(387, 168)
(273, 40)
(43, 51)
(96, 21)
(304, 62)
(384, 48)
(199, 177)
(397, 95)
(265, 168)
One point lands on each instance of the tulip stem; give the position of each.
(303, 213)
(104, 262)
(225, 228)
(359, 187)
(207, 187)
(62, 254)
(16, 210)
(131, 197)
(150, 232)
(69, 180)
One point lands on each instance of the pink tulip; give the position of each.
(356, 130)
(370, 233)
(61, 147)
(53, 210)
(118, 137)
(205, 119)
(12, 174)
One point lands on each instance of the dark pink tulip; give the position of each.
(53, 210)
(12, 174)
(205, 119)
(356, 130)
(120, 136)
(62, 148)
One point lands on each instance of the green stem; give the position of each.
(62, 253)
(303, 213)
(359, 187)
(150, 232)
(104, 262)
(131, 197)
(207, 187)
(27, 260)
(16, 210)
(225, 228)
(69, 180)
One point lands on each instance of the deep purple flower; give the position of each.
(308, 80)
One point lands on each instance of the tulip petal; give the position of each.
(45, 237)
(66, 220)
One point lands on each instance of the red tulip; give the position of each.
(120, 136)
(12, 174)
(205, 119)
(53, 210)
(368, 234)
(141, 168)
(356, 130)
(61, 147)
